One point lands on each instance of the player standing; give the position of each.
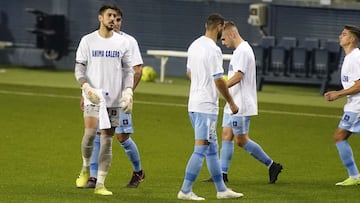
(350, 122)
(125, 129)
(204, 68)
(242, 87)
(103, 69)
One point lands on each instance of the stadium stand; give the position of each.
(292, 62)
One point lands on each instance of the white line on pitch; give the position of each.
(166, 104)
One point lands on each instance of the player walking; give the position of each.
(204, 68)
(350, 122)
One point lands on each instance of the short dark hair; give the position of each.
(119, 12)
(104, 7)
(355, 30)
(229, 24)
(214, 20)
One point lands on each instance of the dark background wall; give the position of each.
(164, 24)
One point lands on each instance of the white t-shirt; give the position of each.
(204, 61)
(134, 49)
(244, 92)
(105, 58)
(350, 72)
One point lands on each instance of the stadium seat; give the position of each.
(288, 43)
(278, 61)
(259, 59)
(267, 43)
(321, 62)
(310, 44)
(299, 61)
(281, 56)
(333, 48)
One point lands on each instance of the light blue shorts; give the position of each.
(204, 126)
(240, 124)
(350, 121)
(125, 126)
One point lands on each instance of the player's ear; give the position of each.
(100, 18)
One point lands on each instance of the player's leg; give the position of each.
(227, 146)
(197, 158)
(94, 162)
(123, 133)
(212, 160)
(105, 155)
(214, 168)
(241, 126)
(90, 122)
(349, 123)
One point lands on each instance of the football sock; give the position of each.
(132, 153)
(213, 165)
(257, 152)
(226, 153)
(105, 157)
(87, 146)
(95, 157)
(347, 158)
(193, 167)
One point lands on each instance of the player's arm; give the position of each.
(82, 103)
(90, 93)
(188, 74)
(126, 100)
(236, 78)
(80, 72)
(333, 95)
(224, 91)
(137, 75)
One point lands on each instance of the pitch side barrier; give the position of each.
(164, 55)
(4, 44)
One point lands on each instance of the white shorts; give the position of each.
(125, 126)
(350, 121)
(240, 124)
(204, 126)
(93, 111)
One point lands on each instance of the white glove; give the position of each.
(126, 101)
(90, 93)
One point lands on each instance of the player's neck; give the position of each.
(348, 49)
(212, 34)
(238, 41)
(105, 33)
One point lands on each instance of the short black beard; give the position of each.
(109, 28)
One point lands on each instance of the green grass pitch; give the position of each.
(41, 130)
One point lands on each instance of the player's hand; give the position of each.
(331, 96)
(126, 101)
(82, 104)
(90, 93)
(234, 109)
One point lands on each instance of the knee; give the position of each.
(337, 138)
(241, 140)
(341, 135)
(122, 137)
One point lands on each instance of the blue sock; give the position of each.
(193, 167)
(95, 157)
(257, 152)
(213, 165)
(347, 157)
(226, 153)
(132, 153)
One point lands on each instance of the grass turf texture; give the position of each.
(42, 129)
